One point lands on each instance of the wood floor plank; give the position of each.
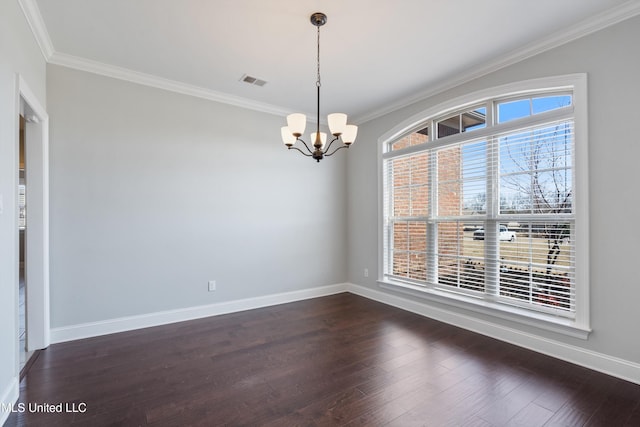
(336, 360)
(531, 415)
(634, 417)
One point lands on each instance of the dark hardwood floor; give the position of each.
(337, 360)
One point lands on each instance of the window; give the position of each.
(480, 204)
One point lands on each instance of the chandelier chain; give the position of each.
(318, 59)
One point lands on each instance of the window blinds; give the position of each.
(490, 217)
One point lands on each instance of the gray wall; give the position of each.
(610, 58)
(19, 53)
(154, 193)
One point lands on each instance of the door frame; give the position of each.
(37, 233)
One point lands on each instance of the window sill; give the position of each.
(542, 321)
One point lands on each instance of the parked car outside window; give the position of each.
(505, 234)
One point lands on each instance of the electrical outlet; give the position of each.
(212, 285)
(366, 272)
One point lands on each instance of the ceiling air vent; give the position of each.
(252, 80)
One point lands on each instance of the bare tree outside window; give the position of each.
(536, 180)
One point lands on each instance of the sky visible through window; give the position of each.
(518, 109)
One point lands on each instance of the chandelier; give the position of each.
(338, 126)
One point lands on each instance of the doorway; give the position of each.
(25, 354)
(32, 228)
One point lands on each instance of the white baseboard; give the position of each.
(600, 362)
(122, 324)
(620, 368)
(8, 397)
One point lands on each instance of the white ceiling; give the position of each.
(375, 55)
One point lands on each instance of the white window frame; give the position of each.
(579, 326)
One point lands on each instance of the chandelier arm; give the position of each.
(332, 141)
(305, 145)
(303, 153)
(334, 151)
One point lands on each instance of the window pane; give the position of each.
(464, 122)
(552, 192)
(419, 178)
(417, 236)
(474, 160)
(475, 198)
(474, 175)
(449, 181)
(553, 146)
(418, 266)
(449, 126)
(549, 103)
(409, 249)
(400, 246)
(537, 268)
(400, 263)
(520, 108)
(401, 179)
(401, 201)
(419, 137)
(513, 110)
(409, 183)
(535, 170)
(462, 179)
(419, 165)
(460, 257)
(400, 236)
(515, 152)
(420, 200)
(474, 119)
(515, 194)
(401, 143)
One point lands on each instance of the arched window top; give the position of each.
(482, 110)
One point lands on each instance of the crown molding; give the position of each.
(606, 19)
(610, 17)
(38, 28)
(126, 74)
